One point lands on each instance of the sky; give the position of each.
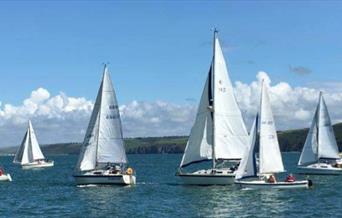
(159, 52)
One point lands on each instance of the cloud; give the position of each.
(61, 118)
(327, 86)
(299, 70)
(293, 107)
(157, 118)
(57, 118)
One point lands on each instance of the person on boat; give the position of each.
(234, 167)
(1, 172)
(290, 178)
(108, 167)
(271, 179)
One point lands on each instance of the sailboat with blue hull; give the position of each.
(320, 152)
(219, 134)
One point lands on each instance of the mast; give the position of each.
(213, 99)
(99, 115)
(318, 120)
(258, 126)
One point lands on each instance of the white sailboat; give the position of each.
(5, 177)
(249, 174)
(103, 159)
(29, 154)
(320, 152)
(219, 133)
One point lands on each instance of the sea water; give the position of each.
(158, 193)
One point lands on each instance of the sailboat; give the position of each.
(29, 154)
(219, 134)
(102, 158)
(320, 152)
(251, 175)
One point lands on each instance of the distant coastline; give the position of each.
(289, 140)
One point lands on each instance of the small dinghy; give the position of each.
(320, 152)
(103, 159)
(5, 177)
(219, 133)
(29, 154)
(249, 175)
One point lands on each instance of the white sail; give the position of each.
(310, 150)
(218, 114)
(103, 142)
(327, 146)
(199, 145)
(29, 150)
(231, 137)
(270, 156)
(36, 152)
(247, 167)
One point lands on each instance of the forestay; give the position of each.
(103, 142)
(29, 150)
(270, 156)
(247, 167)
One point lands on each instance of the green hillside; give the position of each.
(290, 140)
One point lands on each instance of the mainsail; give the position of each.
(320, 141)
(219, 130)
(269, 154)
(29, 150)
(103, 142)
(231, 137)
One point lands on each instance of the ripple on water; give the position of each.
(158, 193)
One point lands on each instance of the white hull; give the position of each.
(5, 178)
(207, 177)
(260, 184)
(117, 179)
(320, 169)
(37, 165)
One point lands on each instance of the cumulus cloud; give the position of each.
(293, 107)
(157, 118)
(62, 118)
(58, 118)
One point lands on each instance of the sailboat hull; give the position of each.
(36, 165)
(207, 177)
(119, 179)
(5, 178)
(260, 184)
(320, 169)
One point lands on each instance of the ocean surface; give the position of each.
(158, 193)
